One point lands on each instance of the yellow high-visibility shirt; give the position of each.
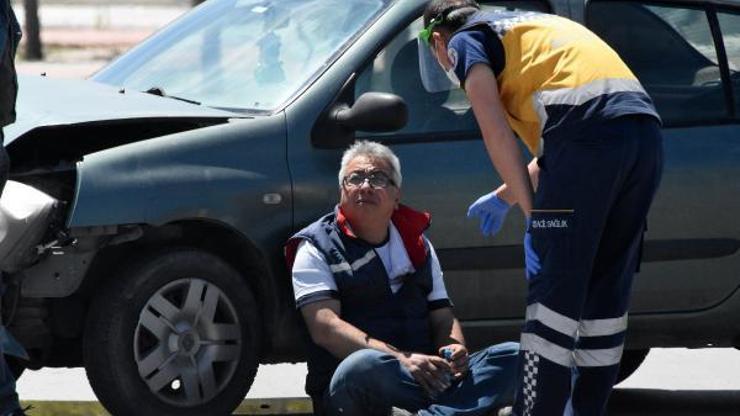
(555, 73)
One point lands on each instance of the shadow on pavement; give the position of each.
(624, 402)
(633, 402)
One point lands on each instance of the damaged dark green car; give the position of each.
(148, 206)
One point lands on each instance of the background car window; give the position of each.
(396, 70)
(729, 24)
(678, 65)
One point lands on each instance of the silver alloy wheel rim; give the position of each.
(187, 343)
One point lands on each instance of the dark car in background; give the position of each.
(174, 176)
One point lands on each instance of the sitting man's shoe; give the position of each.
(505, 411)
(19, 412)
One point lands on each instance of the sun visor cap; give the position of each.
(433, 77)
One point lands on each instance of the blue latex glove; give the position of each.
(531, 259)
(492, 212)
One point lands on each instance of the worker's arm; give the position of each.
(448, 334)
(340, 338)
(482, 91)
(505, 193)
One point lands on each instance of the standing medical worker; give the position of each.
(596, 138)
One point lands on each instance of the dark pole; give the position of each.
(32, 32)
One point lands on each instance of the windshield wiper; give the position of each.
(160, 92)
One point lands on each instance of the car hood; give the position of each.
(48, 103)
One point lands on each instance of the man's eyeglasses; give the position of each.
(376, 180)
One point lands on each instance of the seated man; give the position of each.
(369, 286)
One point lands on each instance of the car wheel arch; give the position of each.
(221, 240)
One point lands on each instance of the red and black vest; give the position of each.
(400, 319)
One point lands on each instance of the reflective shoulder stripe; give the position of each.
(341, 267)
(581, 94)
(547, 349)
(363, 260)
(539, 108)
(602, 327)
(503, 25)
(598, 358)
(552, 319)
(356, 265)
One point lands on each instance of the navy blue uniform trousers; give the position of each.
(595, 188)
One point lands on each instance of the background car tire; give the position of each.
(631, 361)
(118, 331)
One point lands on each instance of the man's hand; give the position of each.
(433, 373)
(458, 359)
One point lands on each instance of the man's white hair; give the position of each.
(373, 151)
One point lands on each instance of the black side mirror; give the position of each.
(373, 112)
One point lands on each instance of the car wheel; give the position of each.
(631, 361)
(178, 334)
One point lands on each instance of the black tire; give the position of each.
(631, 361)
(212, 335)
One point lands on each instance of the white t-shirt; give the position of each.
(312, 274)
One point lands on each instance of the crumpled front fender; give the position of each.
(219, 173)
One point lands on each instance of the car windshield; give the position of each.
(243, 54)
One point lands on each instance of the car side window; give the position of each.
(729, 24)
(671, 51)
(396, 70)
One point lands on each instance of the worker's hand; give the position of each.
(432, 372)
(531, 259)
(457, 356)
(492, 212)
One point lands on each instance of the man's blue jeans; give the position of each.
(369, 382)
(8, 396)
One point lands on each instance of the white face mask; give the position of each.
(452, 56)
(453, 77)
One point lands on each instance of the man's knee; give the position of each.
(506, 349)
(358, 384)
(361, 366)
(505, 356)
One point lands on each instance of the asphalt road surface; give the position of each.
(675, 382)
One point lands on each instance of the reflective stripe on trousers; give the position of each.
(574, 330)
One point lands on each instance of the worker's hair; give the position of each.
(454, 13)
(372, 151)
